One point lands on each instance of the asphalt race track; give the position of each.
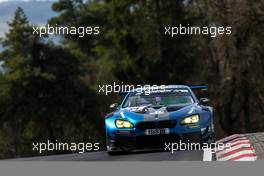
(135, 156)
(244, 147)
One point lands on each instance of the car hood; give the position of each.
(135, 114)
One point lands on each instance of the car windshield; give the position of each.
(178, 97)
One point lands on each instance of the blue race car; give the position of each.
(147, 119)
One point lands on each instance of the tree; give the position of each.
(132, 37)
(42, 96)
(234, 62)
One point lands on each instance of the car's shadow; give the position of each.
(138, 152)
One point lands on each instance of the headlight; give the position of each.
(190, 119)
(123, 124)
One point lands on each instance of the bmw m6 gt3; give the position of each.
(146, 120)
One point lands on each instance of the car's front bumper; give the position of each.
(140, 142)
(136, 139)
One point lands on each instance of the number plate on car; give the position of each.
(157, 131)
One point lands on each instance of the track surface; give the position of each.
(257, 140)
(135, 156)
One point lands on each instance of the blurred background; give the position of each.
(49, 85)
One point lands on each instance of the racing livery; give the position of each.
(147, 119)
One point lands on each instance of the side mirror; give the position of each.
(114, 106)
(204, 100)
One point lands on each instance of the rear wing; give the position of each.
(200, 91)
(199, 87)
